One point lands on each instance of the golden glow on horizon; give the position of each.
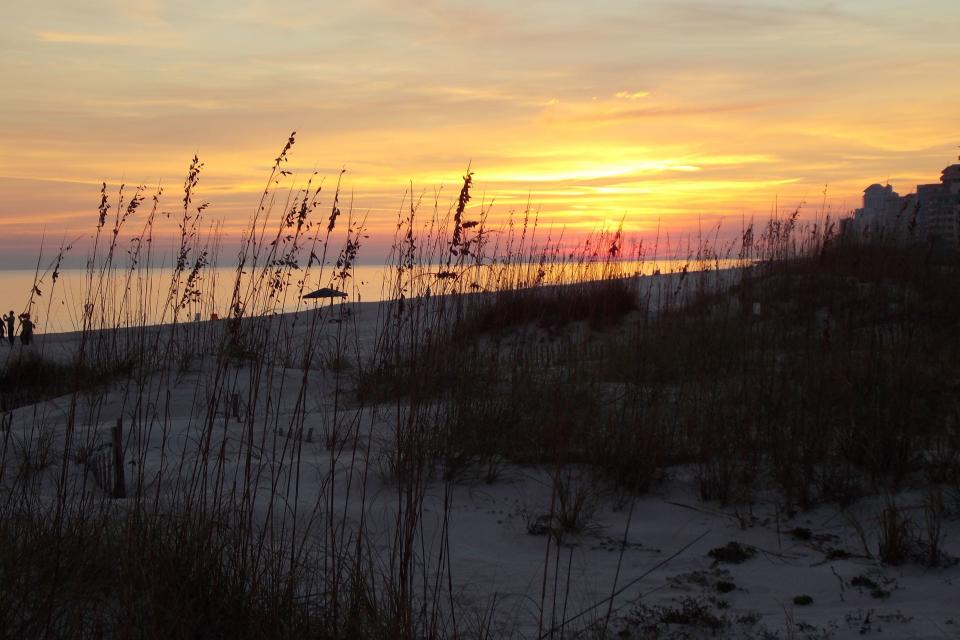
(663, 114)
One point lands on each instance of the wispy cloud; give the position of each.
(613, 112)
(103, 39)
(751, 15)
(631, 95)
(147, 106)
(683, 111)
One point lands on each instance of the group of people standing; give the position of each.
(8, 326)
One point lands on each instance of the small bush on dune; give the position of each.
(29, 378)
(697, 615)
(732, 553)
(93, 574)
(575, 504)
(931, 541)
(33, 454)
(895, 535)
(600, 304)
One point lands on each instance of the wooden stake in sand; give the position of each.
(119, 482)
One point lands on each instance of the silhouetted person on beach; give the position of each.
(8, 320)
(26, 329)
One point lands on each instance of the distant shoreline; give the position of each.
(68, 300)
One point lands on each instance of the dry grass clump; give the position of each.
(214, 542)
(90, 573)
(600, 304)
(28, 378)
(824, 370)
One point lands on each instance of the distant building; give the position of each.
(938, 210)
(880, 218)
(929, 216)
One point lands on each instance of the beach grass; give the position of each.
(787, 362)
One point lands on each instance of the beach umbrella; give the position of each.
(326, 292)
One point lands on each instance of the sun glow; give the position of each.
(572, 115)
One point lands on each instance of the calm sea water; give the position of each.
(58, 307)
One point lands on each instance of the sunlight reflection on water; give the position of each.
(59, 306)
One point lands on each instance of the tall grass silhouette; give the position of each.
(256, 446)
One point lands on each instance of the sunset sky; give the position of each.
(677, 112)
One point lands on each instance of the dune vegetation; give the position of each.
(297, 469)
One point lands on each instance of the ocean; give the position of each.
(57, 307)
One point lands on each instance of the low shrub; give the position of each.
(732, 553)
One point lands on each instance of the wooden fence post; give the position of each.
(119, 481)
